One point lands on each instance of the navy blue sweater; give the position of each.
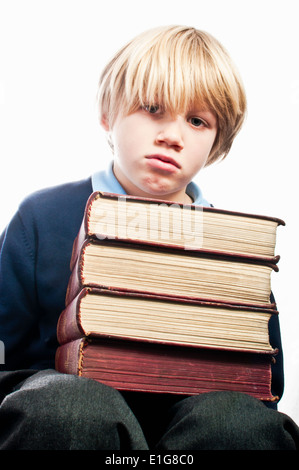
(34, 271)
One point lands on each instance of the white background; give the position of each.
(51, 55)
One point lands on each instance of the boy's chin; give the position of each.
(176, 197)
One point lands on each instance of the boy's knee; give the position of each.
(69, 399)
(226, 420)
(60, 411)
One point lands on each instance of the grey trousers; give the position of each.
(47, 410)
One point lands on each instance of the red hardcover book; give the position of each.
(145, 367)
(164, 270)
(137, 219)
(161, 319)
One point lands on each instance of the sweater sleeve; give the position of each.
(18, 310)
(34, 272)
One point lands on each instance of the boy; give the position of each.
(171, 102)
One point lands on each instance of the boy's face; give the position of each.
(158, 154)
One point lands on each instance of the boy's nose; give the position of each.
(170, 134)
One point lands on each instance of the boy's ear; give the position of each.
(105, 123)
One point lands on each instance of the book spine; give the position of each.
(84, 232)
(68, 358)
(69, 325)
(77, 243)
(76, 280)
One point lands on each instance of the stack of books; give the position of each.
(170, 298)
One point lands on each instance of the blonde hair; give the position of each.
(175, 67)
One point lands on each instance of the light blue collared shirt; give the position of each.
(106, 181)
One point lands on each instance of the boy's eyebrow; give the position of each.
(203, 110)
(200, 109)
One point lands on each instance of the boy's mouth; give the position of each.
(164, 162)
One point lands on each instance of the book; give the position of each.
(164, 270)
(147, 367)
(169, 298)
(97, 313)
(189, 226)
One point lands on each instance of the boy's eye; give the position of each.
(196, 122)
(152, 109)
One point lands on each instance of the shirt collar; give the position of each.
(106, 181)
